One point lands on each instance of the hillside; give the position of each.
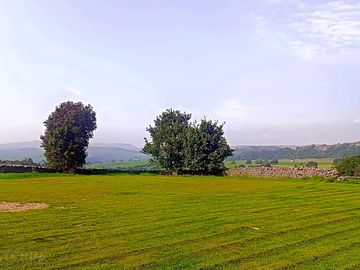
(292, 152)
(98, 152)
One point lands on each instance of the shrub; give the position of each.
(349, 166)
(337, 161)
(267, 164)
(312, 164)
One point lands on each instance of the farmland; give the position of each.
(164, 222)
(145, 164)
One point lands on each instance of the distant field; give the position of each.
(122, 165)
(323, 162)
(163, 222)
(145, 164)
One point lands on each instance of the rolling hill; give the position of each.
(97, 152)
(339, 150)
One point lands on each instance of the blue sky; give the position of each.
(276, 71)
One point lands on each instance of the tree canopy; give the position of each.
(68, 131)
(206, 147)
(168, 139)
(179, 145)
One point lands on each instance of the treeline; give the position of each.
(23, 162)
(310, 151)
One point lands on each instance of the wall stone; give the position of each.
(23, 169)
(298, 172)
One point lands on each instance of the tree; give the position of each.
(274, 161)
(168, 138)
(248, 162)
(349, 166)
(177, 144)
(68, 131)
(206, 147)
(312, 164)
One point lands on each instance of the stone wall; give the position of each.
(23, 169)
(298, 172)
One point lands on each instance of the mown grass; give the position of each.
(323, 162)
(178, 222)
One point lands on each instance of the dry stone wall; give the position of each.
(298, 172)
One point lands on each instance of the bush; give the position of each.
(240, 166)
(274, 161)
(337, 161)
(267, 164)
(349, 166)
(312, 164)
(248, 162)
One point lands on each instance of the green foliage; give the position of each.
(312, 164)
(168, 139)
(206, 147)
(337, 161)
(248, 162)
(274, 161)
(309, 151)
(178, 145)
(23, 162)
(349, 166)
(266, 164)
(68, 131)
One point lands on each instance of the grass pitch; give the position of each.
(163, 222)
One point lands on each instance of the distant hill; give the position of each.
(292, 152)
(97, 152)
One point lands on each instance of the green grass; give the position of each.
(121, 165)
(174, 222)
(145, 164)
(231, 164)
(323, 162)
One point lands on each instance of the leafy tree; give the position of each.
(274, 161)
(68, 131)
(349, 166)
(312, 164)
(177, 144)
(337, 161)
(206, 147)
(168, 138)
(267, 164)
(248, 162)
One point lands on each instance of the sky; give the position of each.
(277, 72)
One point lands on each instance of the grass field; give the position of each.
(145, 164)
(164, 222)
(323, 162)
(141, 164)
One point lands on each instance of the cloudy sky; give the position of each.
(276, 71)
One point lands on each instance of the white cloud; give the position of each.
(357, 121)
(72, 90)
(329, 31)
(233, 109)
